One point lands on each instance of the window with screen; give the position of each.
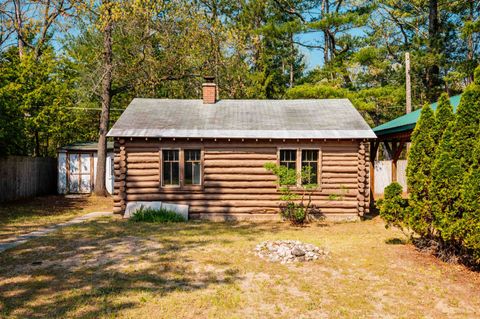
(192, 167)
(170, 168)
(288, 158)
(310, 166)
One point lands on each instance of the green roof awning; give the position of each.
(88, 146)
(408, 121)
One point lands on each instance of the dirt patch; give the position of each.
(124, 254)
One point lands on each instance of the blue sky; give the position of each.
(313, 57)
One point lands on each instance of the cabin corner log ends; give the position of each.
(234, 180)
(120, 173)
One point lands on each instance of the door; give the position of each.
(79, 180)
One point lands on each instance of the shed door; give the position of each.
(80, 173)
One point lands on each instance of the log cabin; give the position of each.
(209, 154)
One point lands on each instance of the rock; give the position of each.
(298, 252)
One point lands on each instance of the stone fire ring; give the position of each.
(288, 251)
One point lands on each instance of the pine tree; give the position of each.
(471, 206)
(455, 188)
(443, 116)
(419, 173)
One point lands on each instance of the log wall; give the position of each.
(234, 179)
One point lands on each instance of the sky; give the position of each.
(313, 57)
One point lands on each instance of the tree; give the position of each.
(453, 189)
(443, 117)
(106, 21)
(419, 167)
(471, 206)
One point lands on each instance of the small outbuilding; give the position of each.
(77, 165)
(209, 154)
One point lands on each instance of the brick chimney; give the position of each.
(209, 90)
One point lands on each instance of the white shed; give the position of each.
(77, 165)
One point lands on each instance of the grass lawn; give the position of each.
(24, 216)
(113, 268)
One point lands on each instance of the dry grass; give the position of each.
(24, 216)
(113, 268)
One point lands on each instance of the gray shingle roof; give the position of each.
(329, 118)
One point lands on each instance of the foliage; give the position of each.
(420, 160)
(151, 215)
(297, 197)
(443, 117)
(34, 94)
(444, 198)
(393, 206)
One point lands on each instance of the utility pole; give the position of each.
(408, 87)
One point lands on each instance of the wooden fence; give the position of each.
(22, 176)
(383, 175)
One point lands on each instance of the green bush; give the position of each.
(393, 206)
(151, 215)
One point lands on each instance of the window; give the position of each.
(192, 167)
(310, 159)
(171, 168)
(181, 168)
(288, 158)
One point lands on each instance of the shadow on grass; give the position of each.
(395, 241)
(100, 268)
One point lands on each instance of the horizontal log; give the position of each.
(238, 177)
(143, 172)
(117, 210)
(132, 154)
(339, 169)
(339, 163)
(353, 185)
(143, 165)
(352, 175)
(144, 184)
(143, 178)
(338, 180)
(329, 157)
(143, 159)
(236, 170)
(247, 156)
(326, 154)
(252, 210)
(234, 163)
(236, 184)
(231, 210)
(159, 195)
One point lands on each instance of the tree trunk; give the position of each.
(292, 61)
(19, 27)
(100, 187)
(325, 34)
(433, 75)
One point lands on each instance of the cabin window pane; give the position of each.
(192, 167)
(288, 158)
(171, 167)
(310, 159)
